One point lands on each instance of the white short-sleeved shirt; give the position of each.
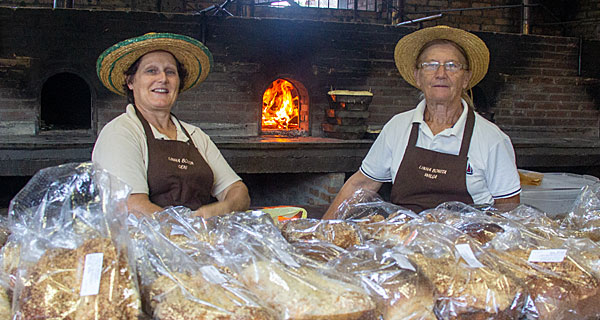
(491, 167)
(122, 150)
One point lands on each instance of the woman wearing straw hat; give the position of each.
(167, 162)
(441, 150)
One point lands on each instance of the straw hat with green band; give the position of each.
(114, 61)
(409, 47)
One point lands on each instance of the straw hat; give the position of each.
(410, 46)
(114, 61)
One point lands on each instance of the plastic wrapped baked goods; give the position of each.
(303, 293)
(585, 217)
(365, 203)
(178, 278)
(341, 233)
(559, 273)
(183, 297)
(469, 282)
(389, 229)
(92, 281)
(557, 290)
(73, 261)
(400, 290)
(294, 286)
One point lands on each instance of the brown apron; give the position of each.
(426, 178)
(178, 175)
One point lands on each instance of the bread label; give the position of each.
(547, 255)
(212, 274)
(467, 254)
(92, 272)
(402, 261)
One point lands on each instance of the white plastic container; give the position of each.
(557, 192)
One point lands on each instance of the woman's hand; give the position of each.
(233, 198)
(139, 204)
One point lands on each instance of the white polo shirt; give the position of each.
(491, 171)
(122, 150)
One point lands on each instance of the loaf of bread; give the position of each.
(52, 286)
(463, 292)
(305, 294)
(482, 232)
(558, 290)
(341, 233)
(193, 297)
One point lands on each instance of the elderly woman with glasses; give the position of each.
(441, 150)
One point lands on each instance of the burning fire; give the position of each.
(281, 106)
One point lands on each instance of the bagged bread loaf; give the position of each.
(178, 276)
(183, 297)
(303, 293)
(584, 219)
(364, 204)
(69, 226)
(399, 289)
(559, 272)
(58, 285)
(288, 282)
(343, 234)
(557, 290)
(468, 282)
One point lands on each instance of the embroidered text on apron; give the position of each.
(426, 178)
(178, 175)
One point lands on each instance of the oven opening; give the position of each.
(284, 108)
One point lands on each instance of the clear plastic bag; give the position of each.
(401, 291)
(179, 278)
(584, 219)
(293, 285)
(560, 273)
(365, 204)
(73, 258)
(468, 281)
(343, 234)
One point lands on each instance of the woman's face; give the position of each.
(442, 86)
(155, 85)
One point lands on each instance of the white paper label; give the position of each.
(92, 272)
(402, 261)
(467, 254)
(212, 274)
(547, 255)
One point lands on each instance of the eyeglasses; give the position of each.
(449, 66)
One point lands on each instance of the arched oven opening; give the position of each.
(284, 111)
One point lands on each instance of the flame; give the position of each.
(280, 106)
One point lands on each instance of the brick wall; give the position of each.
(584, 19)
(473, 19)
(561, 18)
(316, 189)
(532, 84)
